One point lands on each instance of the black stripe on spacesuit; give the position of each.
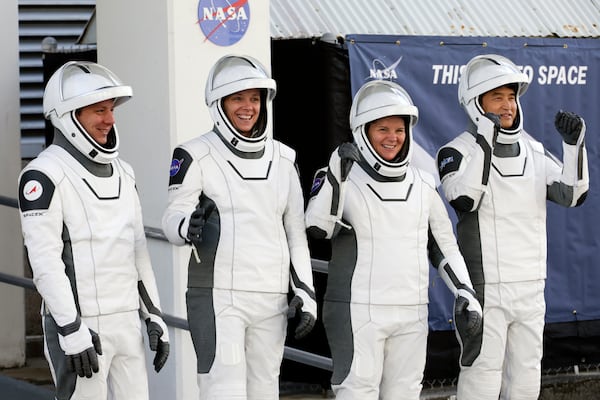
(580, 163)
(65, 380)
(457, 283)
(434, 252)
(335, 198)
(202, 274)
(469, 242)
(337, 320)
(46, 186)
(257, 178)
(487, 158)
(67, 258)
(391, 199)
(118, 195)
(301, 285)
(145, 297)
(69, 328)
(201, 319)
(341, 266)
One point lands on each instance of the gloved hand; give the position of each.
(161, 347)
(198, 218)
(81, 349)
(569, 125)
(306, 322)
(488, 127)
(348, 153)
(469, 326)
(467, 314)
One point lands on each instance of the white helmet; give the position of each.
(378, 99)
(78, 84)
(232, 74)
(484, 73)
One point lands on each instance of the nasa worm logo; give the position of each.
(223, 22)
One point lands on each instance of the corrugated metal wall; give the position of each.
(62, 19)
(508, 18)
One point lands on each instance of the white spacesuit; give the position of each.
(383, 218)
(498, 178)
(249, 245)
(83, 229)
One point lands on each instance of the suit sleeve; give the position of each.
(42, 226)
(326, 204)
(464, 168)
(301, 278)
(443, 249)
(185, 187)
(568, 183)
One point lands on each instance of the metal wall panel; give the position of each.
(509, 18)
(64, 20)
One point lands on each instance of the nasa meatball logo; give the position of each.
(175, 166)
(32, 190)
(223, 22)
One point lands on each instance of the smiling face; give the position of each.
(503, 102)
(243, 109)
(98, 119)
(387, 136)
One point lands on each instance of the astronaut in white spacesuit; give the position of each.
(498, 178)
(82, 225)
(385, 217)
(235, 197)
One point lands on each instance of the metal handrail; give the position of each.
(289, 353)
(8, 201)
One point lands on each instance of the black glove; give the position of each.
(468, 322)
(86, 362)
(569, 125)
(348, 153)
(161, 347)
(306, 322)
(469, 326)
(198, 218)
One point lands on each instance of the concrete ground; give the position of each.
(34, 382)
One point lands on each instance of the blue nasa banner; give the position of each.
(564, 74)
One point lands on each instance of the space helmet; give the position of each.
(232, 74)
(378, 99)
(78, 84)
(484, 73)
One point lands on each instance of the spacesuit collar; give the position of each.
(242, 154)
(376, 176)
(472, 128)
(508, 144)
(97, 169)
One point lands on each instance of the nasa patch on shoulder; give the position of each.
(180, 163)
(35, 191)
(175, 166)
(317, 183)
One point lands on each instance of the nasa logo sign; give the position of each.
(223, 22)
